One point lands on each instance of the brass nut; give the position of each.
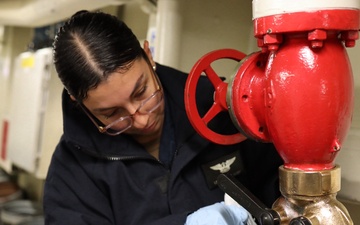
(310, 183)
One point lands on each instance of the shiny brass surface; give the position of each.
(311, 195)
(310, 183)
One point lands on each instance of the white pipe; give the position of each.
(168, 33)
(263, 8)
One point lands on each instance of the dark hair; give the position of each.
(90, 46)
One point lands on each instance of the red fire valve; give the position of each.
(297, 92)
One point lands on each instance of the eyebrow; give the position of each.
(137, 85)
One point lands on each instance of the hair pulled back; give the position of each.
(90, 46)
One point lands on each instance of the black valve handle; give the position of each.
(246, 199)
(300, 221)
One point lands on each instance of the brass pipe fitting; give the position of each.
(311, 194)
(309, 183)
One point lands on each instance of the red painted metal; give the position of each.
(203, 65)
(269, 30)
(297, 92)
(309, 101)
(299, 97)
(246, 97)
(336, 19)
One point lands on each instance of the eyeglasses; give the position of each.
(120, 125)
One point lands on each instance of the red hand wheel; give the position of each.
(219, 105)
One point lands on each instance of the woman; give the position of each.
(128, 154)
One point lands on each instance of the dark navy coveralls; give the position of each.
(99, 179)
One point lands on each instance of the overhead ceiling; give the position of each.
(37, 13)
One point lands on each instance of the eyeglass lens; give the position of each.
(147, 107)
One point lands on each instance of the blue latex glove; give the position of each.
(218, 214)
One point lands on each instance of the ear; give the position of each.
(72, 98)
(148, 52)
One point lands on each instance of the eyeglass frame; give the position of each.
(104, 129)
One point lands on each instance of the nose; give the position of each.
(140, 120)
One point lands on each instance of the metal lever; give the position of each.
(245, 198)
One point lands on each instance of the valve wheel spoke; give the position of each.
(213, 77)
(213, 111)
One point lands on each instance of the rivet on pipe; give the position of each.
(336, 146)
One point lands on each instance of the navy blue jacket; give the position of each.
(98, 179)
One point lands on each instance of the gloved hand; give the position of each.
(218, 214)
